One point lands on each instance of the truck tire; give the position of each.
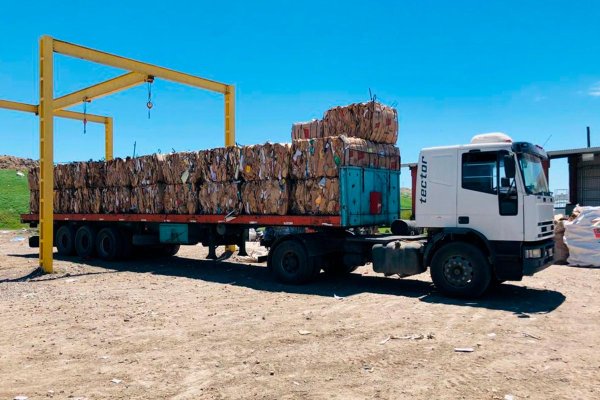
(65, 240)
(85, 241)
(108, 244)
(460, 269)
(290, 263)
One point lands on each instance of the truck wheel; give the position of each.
(108, 244)
(460, 269)
(290, 263)
(65, 240)
(85, 241)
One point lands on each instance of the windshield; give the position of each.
(533, 174)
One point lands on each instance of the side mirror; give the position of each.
(509, 166)
(504, 182)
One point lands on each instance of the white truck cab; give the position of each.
(491, 194)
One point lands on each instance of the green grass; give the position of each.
(405, 211)
(14, 199)
(405, 206)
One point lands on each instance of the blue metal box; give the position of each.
(174, 233)
(369, 196)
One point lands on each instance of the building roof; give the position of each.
(572, 152)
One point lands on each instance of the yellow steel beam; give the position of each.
(105, 88)
(13, 105)
(46, 113)
(99, 119)
(112, 60)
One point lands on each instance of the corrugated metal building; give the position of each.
(584, 174)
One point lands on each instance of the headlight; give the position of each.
(533, 253)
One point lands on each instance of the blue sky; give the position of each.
(453, 69)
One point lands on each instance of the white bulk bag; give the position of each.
(582, 237)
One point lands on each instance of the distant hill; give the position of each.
(16, 163)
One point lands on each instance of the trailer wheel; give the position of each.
(108, 244)
(460, 269)
(65, 240)
(290, 263)
(85, 241)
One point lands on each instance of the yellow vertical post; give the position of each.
(108, 139)
(46, 114)
(230, 116)
(230, 129)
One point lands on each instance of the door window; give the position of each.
(479, 172)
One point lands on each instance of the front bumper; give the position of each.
(534, 265)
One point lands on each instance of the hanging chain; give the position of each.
(85, 101)
(149, 104)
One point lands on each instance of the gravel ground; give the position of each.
(187, 328)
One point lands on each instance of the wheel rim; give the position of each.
(290, 262)
(458, 271)
(85, 242)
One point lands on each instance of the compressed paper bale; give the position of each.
(371, 121)
(315, 158)
(148, 199)
(363, 153)
(145, 170)
(266, 197)
(87, 201)
(265, 161)
(34, 201)
(316, 197)
(33, 178)
(184, 167)
(65, 202)
(181, 199)
(307, 130)
(561, 251)
(221, 164)
(79, 172)
(220, 198)
(95, 174)
(116, 200)
(65, 175)
(118, 172)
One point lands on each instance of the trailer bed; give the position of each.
(259, 220)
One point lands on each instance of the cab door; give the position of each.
(487, 196)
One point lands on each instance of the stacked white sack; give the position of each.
(582, 237)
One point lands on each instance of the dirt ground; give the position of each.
(186, 328)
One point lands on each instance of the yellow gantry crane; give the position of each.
(49, 107)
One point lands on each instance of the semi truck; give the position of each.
(482, 215)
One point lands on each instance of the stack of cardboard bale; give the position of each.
(272, 178)
(265, 170)
(220, 191)
(361, 135)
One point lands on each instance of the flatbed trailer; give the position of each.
(484, 207)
